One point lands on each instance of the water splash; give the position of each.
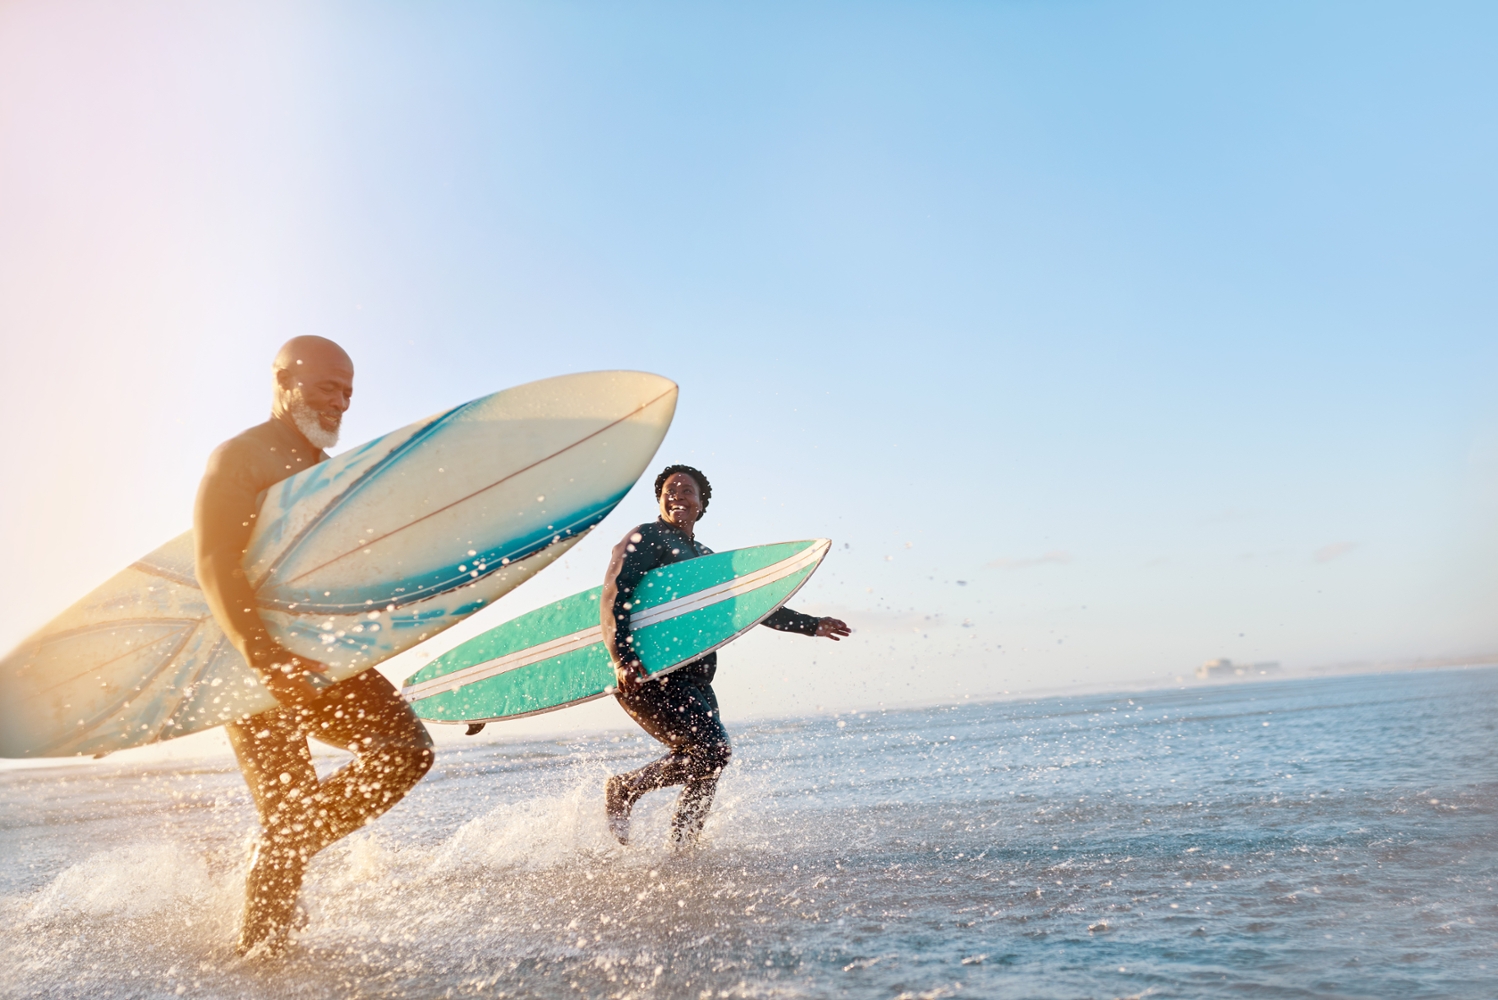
(1088, 846)
(138, 880)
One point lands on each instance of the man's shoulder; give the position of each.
(270, 449)
(261, 437)
(248, 442)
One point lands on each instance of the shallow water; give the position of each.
(1315, 838)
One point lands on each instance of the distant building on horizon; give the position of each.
(1224, 667)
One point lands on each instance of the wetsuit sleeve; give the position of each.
(787, 620)
(223, 517)
(640, 552)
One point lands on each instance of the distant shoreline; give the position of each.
(210, 745)
(1180, 682)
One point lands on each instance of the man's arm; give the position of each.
(223, 517)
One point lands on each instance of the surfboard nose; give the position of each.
(654, 396)
(603, 395)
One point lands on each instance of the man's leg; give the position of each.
(392, 751)
(682, 712)
(277, 767)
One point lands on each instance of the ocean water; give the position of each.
(1313, 838)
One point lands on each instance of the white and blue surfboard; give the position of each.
(353, 561)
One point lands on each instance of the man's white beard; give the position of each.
(307, 422)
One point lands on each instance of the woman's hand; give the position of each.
(833, 628)
(630, 675)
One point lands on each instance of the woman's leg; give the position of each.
(681, 711)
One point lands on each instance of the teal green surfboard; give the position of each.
(555, 656)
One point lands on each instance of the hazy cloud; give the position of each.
(1055, 556)
(1327, 553)
(1228, 516)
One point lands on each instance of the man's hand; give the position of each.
(833, 628)
(285, 674)
(630, 675)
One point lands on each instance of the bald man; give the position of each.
(365, 715)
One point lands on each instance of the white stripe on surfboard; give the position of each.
(716, 594)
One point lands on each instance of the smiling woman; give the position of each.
(680, 709)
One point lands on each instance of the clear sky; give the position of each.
(1103, 338)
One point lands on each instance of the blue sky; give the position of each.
(1168, 329)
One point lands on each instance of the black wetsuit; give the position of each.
(363, 714)
(679, 709)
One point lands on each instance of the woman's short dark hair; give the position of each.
(704, 488)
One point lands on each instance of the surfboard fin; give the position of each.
(474, 728)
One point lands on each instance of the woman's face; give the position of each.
(681, 501)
